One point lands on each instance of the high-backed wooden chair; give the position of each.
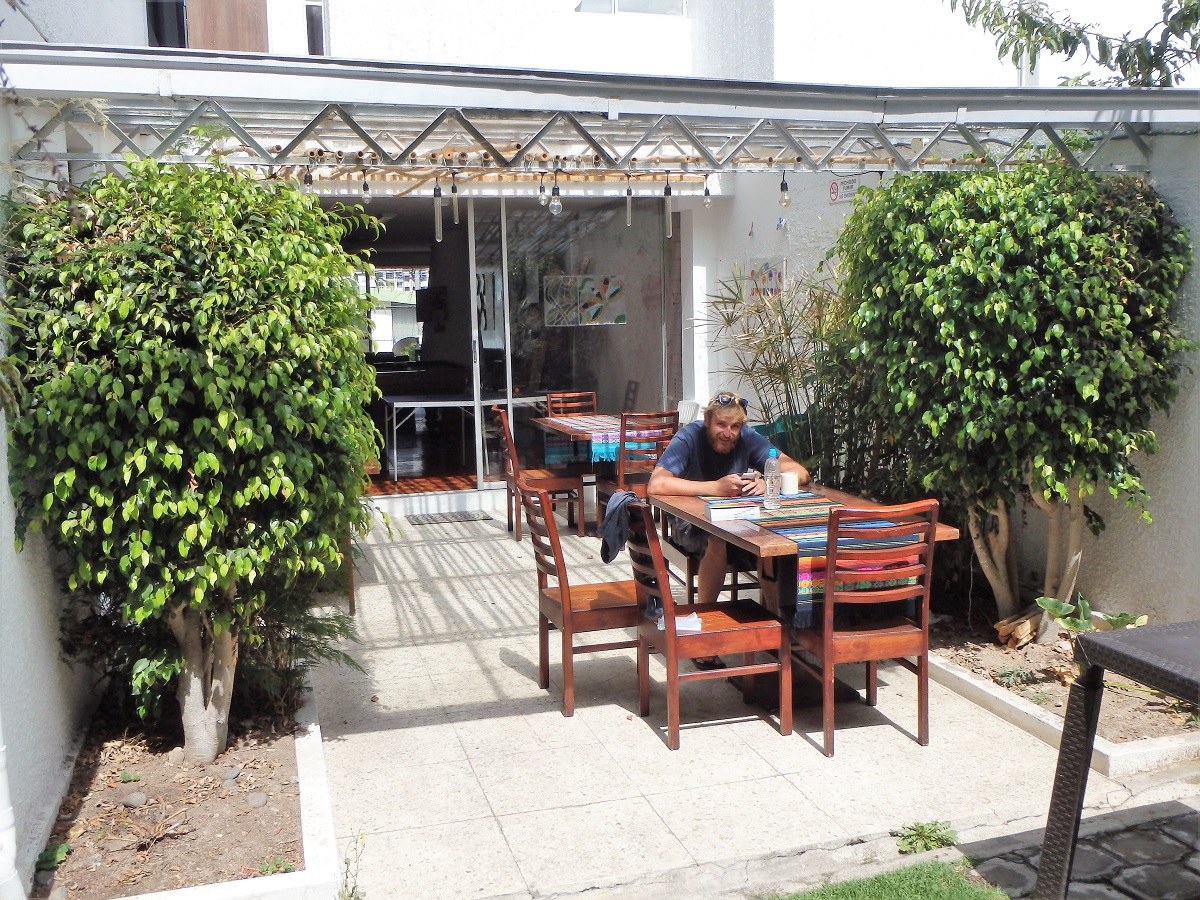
(644, 437)
(566, 403)
(561, 451)
(572, 609)
(562, 488)
(741, 627)
(875, 557)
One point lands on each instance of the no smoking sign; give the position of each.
(842, 190)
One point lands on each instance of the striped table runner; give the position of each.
(805, 519)
(604, 437)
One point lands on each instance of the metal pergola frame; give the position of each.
(408, 124)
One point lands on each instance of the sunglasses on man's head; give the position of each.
(728, 398)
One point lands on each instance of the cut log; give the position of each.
(1005, 627)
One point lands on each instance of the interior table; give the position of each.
(601, 432)
(399, 408)
(1164, 657)
(779, 560)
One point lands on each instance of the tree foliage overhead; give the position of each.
(1017, 335)
(193, 433)
(1156, 58)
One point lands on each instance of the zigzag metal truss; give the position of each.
(694, 130)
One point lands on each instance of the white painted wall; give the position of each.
(44, 703)
(113, 22)
(744, 225)
(525, 34)
(1154, 569)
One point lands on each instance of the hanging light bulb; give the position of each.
(785, 199)
(707, 194)
(308, 185)
(628, 200)
(555, 206)
(454, 196)
(542, 198)
(667, 206)
(366, 189)
(437, 211)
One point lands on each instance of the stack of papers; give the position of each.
(688, 624)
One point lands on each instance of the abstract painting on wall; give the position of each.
(765, 278)
(584, 300)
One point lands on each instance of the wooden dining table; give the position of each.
(601, 432)
(780, 565)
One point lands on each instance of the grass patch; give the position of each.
(924, 881)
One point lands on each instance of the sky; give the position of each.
(923, 43)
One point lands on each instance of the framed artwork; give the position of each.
(584, 300)
(765, 278)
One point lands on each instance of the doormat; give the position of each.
(472, 515)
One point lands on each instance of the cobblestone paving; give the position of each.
(1158, 860)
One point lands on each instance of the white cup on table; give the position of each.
(790, 482)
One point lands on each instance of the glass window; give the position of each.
(396, 319)
(166, 23)
(314, 13)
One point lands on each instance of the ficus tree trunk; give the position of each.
(997, 558)
(1064, 547)
(205, 685)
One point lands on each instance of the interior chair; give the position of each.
(572, 609)
(741, 627)
(644, 437)
(567, 403)
(876, 605)
(562, 488)
(561, 451)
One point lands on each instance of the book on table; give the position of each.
(721, 509)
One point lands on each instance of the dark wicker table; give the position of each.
(1165, 657)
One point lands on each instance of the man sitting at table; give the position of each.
(709, 458)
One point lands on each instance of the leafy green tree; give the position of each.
(1016, 334)
(192, 435)
(1158, 58)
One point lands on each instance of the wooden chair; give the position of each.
(644, 437)
(735, 627)
(572, 609)
(565, 452)
(566, 403)
(875, 556)
(562, 488)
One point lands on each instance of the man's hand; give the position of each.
(737, 486)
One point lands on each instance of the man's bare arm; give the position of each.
(663, 482)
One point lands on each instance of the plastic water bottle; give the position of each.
(774, 481)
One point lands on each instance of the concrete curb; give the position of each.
(320, 876)
(1108, 758)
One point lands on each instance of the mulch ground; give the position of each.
(138, 819)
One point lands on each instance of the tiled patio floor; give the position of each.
(466, 780)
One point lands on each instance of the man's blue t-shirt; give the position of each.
(690, 456)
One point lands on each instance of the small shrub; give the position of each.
(275, 866)
(921, 836)
(1011, 678)
(52, 857)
